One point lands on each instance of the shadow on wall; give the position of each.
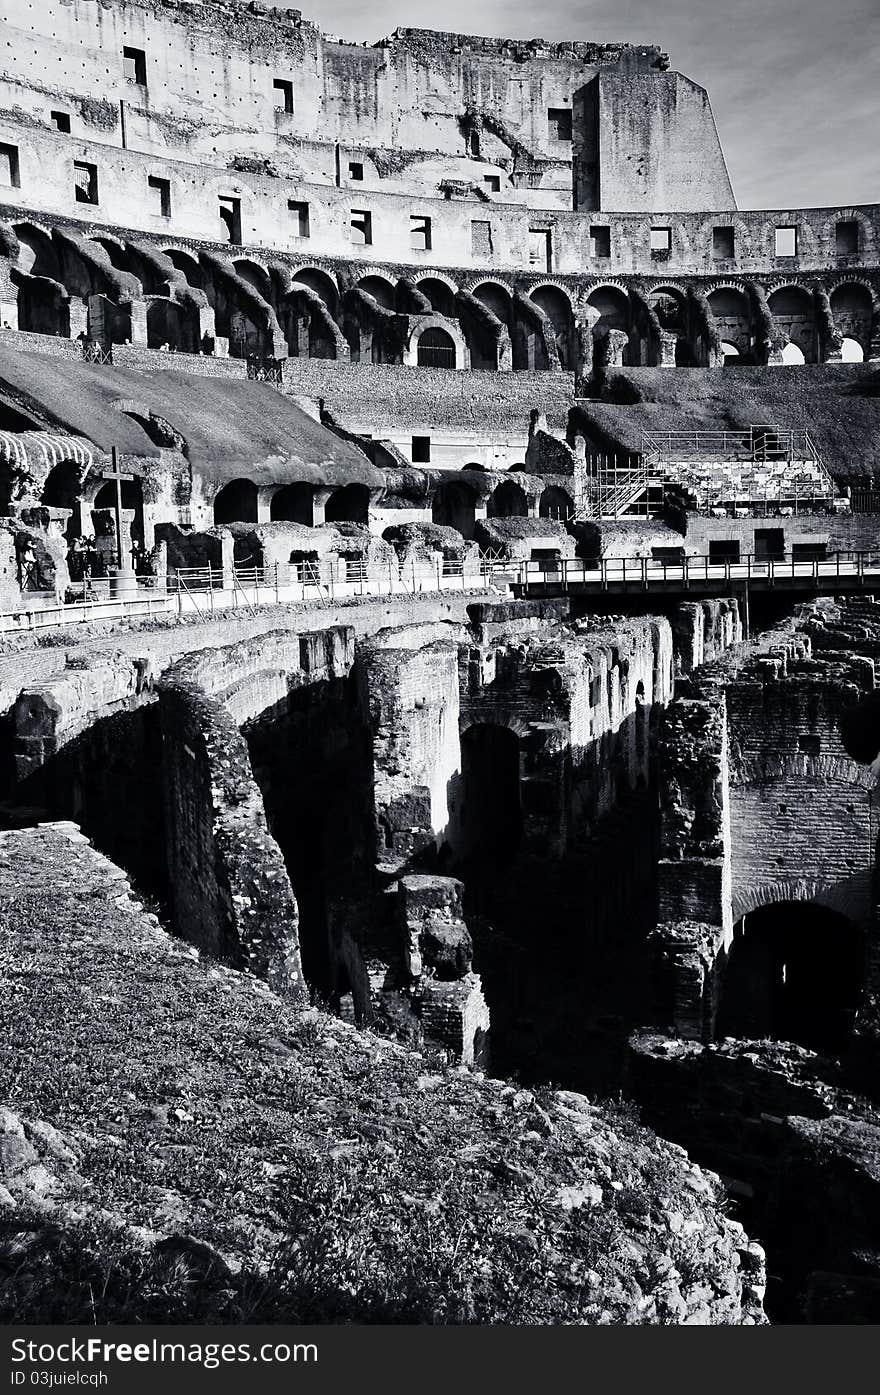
(108, 779)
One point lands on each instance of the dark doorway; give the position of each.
(454, 507)
(236, 503)
(348, 505)
(490, 818)
(794, 973)
(293, 504)
(769, 542)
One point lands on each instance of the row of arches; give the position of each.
(237, 502)
(260, 309)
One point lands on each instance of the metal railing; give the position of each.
(205, 590)
(759, 444)
(609, 572)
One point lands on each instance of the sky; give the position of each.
(794, 84)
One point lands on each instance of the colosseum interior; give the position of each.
(439, 632)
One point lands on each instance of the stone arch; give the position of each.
(507, 500)
(322, 283)
(556, 305)
(255, 274)
(381, 289)
(610, 313)
(794, 971)
(43, 299)
(293, 503)
(496, 297)
(791, 305)
(730, 306)
(436, 326)
(556, 503)
(236, 502)
(350, 504)
(435, 348)
(188, 265)
(132, 492)
(852, 307)
(63, 490)
(441, 292)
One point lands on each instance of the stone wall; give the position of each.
(229, 887)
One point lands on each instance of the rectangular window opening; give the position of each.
(769, 542)
(355, 170)
(85, 182)
(134, 65)
(661, 242)
(421, 450)
(492, 183)
(847, 238)
(786, 242)
(230, 218)
(559, 123)
(600, 242)
(10, 173)
(282, 91)
(299, 213)
(809, 551)
(540, 249)
(724, 550)
(161, 195)
(361, 227)
(810, 745)
(723, 244)
(420, 234)
(61, 121)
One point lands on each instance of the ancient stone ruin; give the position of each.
(439, 628)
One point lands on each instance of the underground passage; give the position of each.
(794, 973)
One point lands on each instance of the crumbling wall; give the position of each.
(412, 700)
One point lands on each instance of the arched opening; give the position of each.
(613, 308)
(732, 355)
(236, 503)
(323, 286)
(132, 498)
(852, 309)
(435, 349)
(555, 503)
(794, 973)
(453, 506)
(557, 307)
(792, 309)
(168, 323)
(62, 490)
(381, 290)
(793, 354)
(508, 500)
(441, 296)
(668, 309)
(348, 505)
(293, 504)
(684, 354)
(851, 351)
(255, 276)
(188, 265)
(43, 306)
(733, 320)
(490, 819)
(496, 299)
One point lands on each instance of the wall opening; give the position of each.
(490, 820)
(348, 505)
(236, 503)
(293, 504)
(453, 506)
(794, 973)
